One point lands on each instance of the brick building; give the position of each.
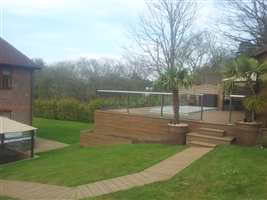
(16, 71)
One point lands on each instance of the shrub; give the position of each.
(62, 109)
(74, 110)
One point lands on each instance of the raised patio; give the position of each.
(208, 125)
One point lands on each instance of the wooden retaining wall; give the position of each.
(143, 128)
(131, 126)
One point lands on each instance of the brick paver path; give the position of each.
(159, 172)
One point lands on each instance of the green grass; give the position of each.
(75, 165)
(229, 172)
(62, 131)
(6, 198)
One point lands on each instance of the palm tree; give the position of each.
(172, 79)
(248, 70)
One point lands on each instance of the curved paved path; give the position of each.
(162, 171)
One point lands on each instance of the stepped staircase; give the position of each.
(208, 137)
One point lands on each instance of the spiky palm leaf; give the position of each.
(174, 78)
(255, 104)
(248, 70)
(244, 68)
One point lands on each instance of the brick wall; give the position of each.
(202, 89)
(18, 99)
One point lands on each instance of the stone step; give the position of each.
(201, 144)
(208, 139)
(211, 132)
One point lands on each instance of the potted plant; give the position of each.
(249, 71)
(172, 79)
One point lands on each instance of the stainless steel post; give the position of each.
(32, 144)
(202, 103)
(128, 104)
(2, 141)
(230, 111)
(162, 105)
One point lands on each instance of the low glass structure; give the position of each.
(16, 140)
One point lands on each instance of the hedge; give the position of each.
(67, 109)
(74, 110)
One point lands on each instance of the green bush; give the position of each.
(74, 110)
(67, 109)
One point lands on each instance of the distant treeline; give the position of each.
(67, 90)
(80, 79)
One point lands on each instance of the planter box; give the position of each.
(178, 133)
(248, 133)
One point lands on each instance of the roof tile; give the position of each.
(9, 55)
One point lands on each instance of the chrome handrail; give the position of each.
(134, 92)
(146, 93)
(139, 92)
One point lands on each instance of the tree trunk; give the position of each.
(176, 105)
(248, 116)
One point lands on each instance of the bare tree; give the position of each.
(163, 31)
(80, 78)
(201, 50)
(163, 36)
(137, 63)
(206, 57)
(245, 21)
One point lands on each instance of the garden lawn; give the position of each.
(75, 165)
(62, 131)
(228, 172)
(6, 198)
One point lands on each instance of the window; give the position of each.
(5, 79)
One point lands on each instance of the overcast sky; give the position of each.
(57, 30)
